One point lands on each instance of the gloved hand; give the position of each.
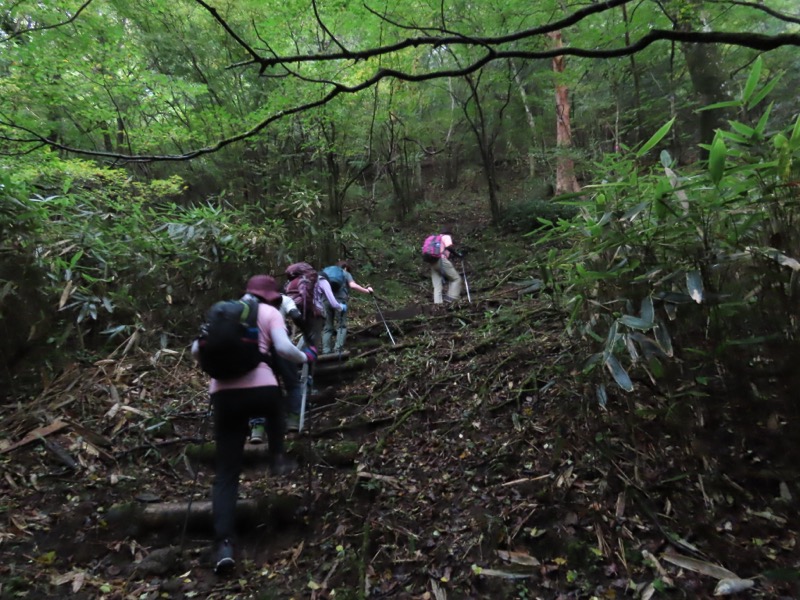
(344, 306)
(311, 354)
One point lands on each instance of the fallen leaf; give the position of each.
(438, 591)
(519, 558)
(699, 566)
(732, 586)
(77, 583)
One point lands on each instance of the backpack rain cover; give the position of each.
(432, 248)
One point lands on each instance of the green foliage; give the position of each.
(532, 215)
(115, 256)
(657, 255)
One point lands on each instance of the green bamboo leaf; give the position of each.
(631, 346)
(636, 322)
(602, 396)
(795, 139)
(694, 283)
(663, 338)
(748, 132)
(657, 137)
(647, 311)
(763, 92)
(761, 126)
(723, 104)
(619, 374)
(611, 339)
(634, 212)
(716, 159)
(752, 79)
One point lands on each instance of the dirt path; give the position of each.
(483, 469)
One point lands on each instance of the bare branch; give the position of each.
(325, 28)
(449, 40)
(215, 13)
(770, 11)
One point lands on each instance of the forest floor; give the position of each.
(469, 460)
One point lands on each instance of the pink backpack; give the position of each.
(432, 248)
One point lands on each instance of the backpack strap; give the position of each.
(252, 321)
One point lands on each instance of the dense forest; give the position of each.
(605, 414)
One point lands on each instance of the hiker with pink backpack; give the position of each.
(436, 252)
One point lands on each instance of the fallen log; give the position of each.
(136, 517)
(337, 454)
(338, 368)
(334, 356)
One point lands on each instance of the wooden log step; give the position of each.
(137, 517)
(334, 356)
(336, 454)
(333, 368)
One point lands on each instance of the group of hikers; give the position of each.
(245, 346)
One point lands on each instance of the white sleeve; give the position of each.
(287, 305)
(284, 346)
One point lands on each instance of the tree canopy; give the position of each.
(160, 80)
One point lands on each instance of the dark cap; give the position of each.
(265, 287)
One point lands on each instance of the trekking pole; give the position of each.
(466, 283)
(382, 319)
(304, 375)
(194, 480)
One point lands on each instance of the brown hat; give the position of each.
(265, 287)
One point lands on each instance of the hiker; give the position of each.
(341, 281)
(286, 370)
(235, 401)
(442, 269)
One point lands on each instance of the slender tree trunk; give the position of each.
(637, 102)
(566, 181)
(531, 121)
(704, 63)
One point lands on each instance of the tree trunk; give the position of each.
(704, 63)
(637, 102)
(531, 121)
(566, 182)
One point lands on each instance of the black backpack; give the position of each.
(228, 341)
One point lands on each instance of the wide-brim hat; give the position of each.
(265, 287)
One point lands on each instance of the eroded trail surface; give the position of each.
(466, 461)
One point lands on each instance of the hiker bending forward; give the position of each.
(235, 401)
(443, 269)
(334, 332)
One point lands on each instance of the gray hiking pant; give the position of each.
(444, 269)
(335, 325)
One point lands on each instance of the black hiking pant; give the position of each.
(233, 410)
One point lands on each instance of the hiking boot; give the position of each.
(282, 465)
(225, 562)
(293, 422)
(257, 434)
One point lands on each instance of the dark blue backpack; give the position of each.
(335, 276)
(228, 341)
